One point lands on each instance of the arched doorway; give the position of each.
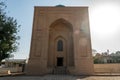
(60, 44)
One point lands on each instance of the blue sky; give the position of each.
(23, 10)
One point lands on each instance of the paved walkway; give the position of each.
(60, 77)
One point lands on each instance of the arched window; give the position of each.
(60, 45)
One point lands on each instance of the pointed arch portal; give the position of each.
(60, 44)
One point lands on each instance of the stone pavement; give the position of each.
(60, 77)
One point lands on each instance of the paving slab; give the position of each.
(60, 77)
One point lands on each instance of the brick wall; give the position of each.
(107, 68)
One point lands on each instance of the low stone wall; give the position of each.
(107, 68)
(12, 70)
(4, 71)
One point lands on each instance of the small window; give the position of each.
(60, 45)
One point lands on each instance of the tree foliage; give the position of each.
(8, 33)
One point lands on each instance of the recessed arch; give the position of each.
(61, 43)
(60, 37)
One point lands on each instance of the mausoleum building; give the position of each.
(61, 42)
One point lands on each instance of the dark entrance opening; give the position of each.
(60, 61)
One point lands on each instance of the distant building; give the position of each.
(106, 58)
(15, 65)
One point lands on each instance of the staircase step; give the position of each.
(60, 70)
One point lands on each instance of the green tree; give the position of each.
(8, 33)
